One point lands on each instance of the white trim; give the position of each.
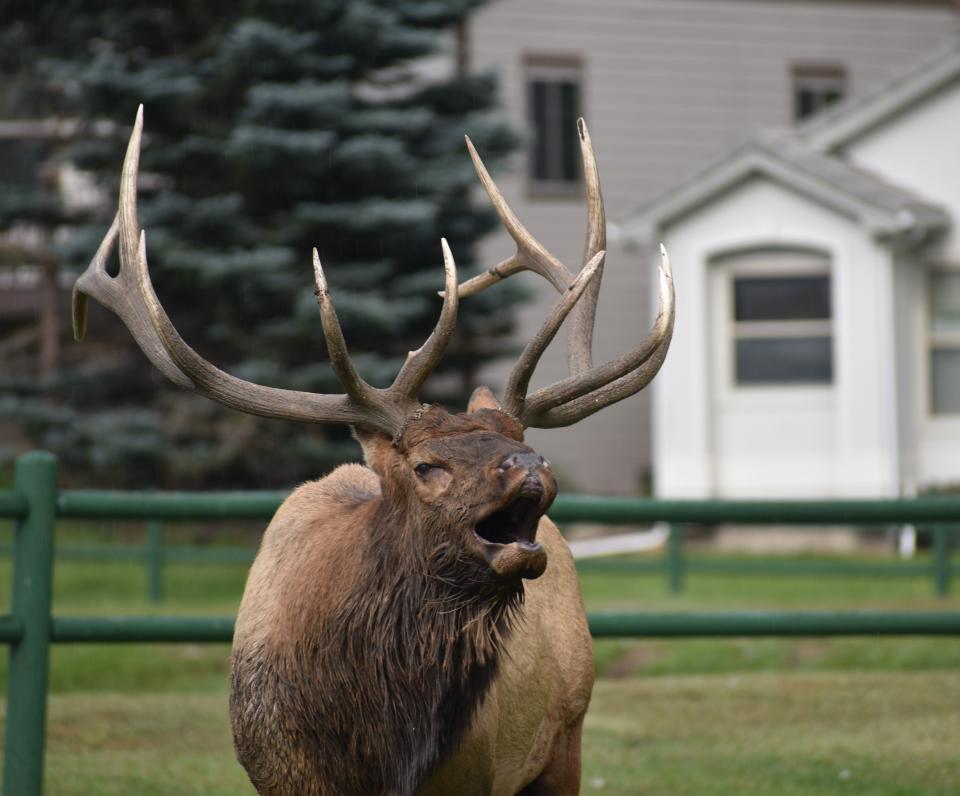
(768, 330)
(754, 161)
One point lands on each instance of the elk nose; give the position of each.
(529, 461)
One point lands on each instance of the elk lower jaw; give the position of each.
(508, 537)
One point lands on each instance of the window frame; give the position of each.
(556, 69)
(773, 263)
(819, 78)
(937, 340)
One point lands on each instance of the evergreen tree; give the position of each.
(270, 128)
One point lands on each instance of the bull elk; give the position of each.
(415, 625)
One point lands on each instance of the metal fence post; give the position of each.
(36, 480)
(675, 563)
(941, 561)
(154, 560)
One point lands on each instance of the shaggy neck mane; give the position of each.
(405, 660)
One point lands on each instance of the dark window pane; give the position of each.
(946, 381)
(831, 96)
(815, 86)
(569, 112)
(945, 301)
(784, 360)
(781, 298)
(538, 113)
(554, 106)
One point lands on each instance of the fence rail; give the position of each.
(936, 513)
(675, 565)
(107, 504)
(30, 628)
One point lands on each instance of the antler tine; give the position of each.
(254, 398)
(578, 409)
(530, 255)
(575, 398)
(515, 394)
(566, 390)
(132, 297)
(580, 346)
(92, 280)
(588, 388)
(120, 293)
(355, 386)
(420, 363)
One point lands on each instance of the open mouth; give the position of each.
(515, 522)
(508, 536)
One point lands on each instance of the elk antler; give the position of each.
(589, 388)
(131, 296)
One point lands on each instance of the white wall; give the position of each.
(920, 149)
(712, 439)
(669, 85)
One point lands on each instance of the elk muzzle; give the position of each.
(508, 534)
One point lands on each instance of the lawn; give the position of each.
(728, 716)
(784, 733)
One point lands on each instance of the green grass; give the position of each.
(705, 716)
(869, 734)
(775, 733)
(709, 591)
(145, 744)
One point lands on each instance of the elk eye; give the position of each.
(423, 470)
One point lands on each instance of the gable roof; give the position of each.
(786, 159)
(854, 117)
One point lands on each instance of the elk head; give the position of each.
(469, 486)
(468, 471)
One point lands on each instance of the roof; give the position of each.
(856, 116)
(785, 158)
(807, 159)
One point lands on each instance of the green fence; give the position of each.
(674, 565)
(36, 504)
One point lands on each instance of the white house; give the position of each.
(666, 86)
(817, 346)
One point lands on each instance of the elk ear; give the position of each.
(485, 407)
(377, 447)
(483, 398)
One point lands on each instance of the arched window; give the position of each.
(778, 316)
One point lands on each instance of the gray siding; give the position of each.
(668, 85)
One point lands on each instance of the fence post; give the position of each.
(154, 560)
(941, 561)
(36, 480)
(675, 563)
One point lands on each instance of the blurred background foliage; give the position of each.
(270, 127)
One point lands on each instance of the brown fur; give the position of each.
(377, 653)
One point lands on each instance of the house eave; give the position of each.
(881, 222)
(851, 120)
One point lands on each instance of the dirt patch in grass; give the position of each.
(633, 660)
